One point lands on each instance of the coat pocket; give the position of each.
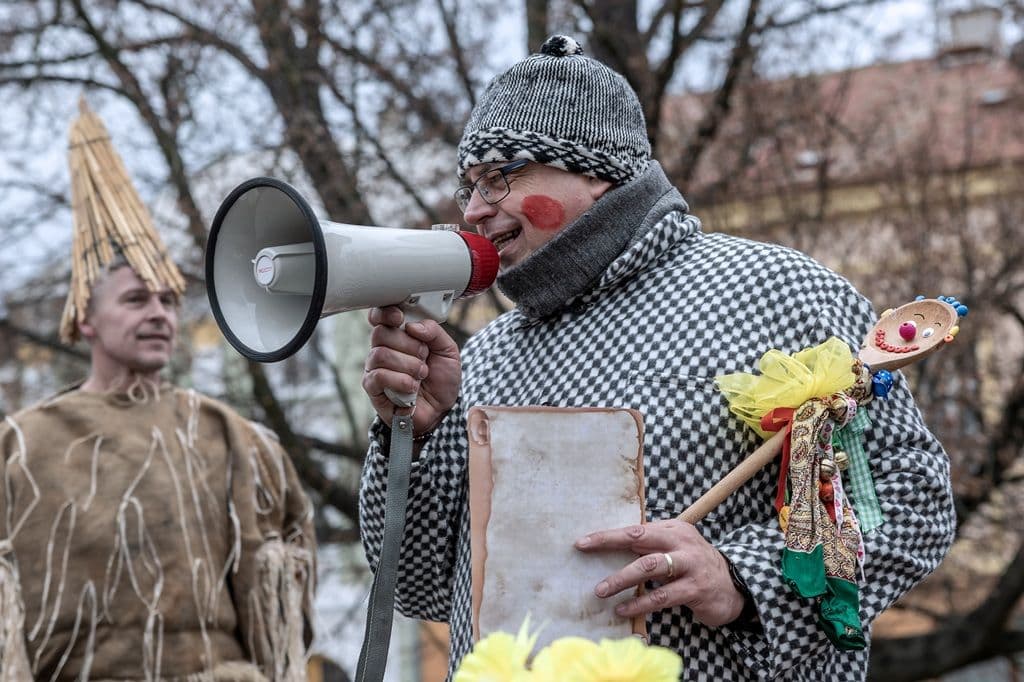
(691, 441)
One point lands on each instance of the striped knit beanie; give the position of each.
(563, 109)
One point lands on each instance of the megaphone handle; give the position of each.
(429, 304)
(412, 314)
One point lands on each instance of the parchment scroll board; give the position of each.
(539, 478)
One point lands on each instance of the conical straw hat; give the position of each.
(109, 219)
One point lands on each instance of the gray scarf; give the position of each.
(571, 263)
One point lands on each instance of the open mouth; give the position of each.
(503, 239)
(882, 344)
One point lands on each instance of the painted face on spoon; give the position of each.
(908, 333)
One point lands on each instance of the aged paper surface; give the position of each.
(540, 478)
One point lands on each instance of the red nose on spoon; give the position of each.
(908, 330)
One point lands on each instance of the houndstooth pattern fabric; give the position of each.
(563, 109)
(674, 310)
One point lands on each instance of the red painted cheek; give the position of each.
(544, 212)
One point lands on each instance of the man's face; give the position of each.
(541, 201)
(129, 326)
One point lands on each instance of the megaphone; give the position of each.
(273, 270)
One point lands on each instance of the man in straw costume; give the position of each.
(146, 531)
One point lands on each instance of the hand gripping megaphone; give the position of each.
(273, 270)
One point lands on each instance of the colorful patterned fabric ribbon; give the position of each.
(860, 484)
(810, 394)
(820, 557)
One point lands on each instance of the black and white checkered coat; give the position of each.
(674, 310)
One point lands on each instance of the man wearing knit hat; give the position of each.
(147, 532)
(623, 301)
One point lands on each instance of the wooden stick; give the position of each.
(743, 472)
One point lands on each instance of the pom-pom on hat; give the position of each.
(563, 109)
(110, 222)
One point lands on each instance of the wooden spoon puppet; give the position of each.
(810, 400)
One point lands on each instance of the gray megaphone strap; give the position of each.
(373, 658)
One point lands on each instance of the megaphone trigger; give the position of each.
(401, 399)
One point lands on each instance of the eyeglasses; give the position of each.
(492, 185)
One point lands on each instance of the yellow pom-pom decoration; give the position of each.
(572, 659)
(499, 656)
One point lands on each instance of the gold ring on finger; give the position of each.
(671, 567)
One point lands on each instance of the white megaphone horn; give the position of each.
(273, 270)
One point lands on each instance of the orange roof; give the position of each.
(855, 126)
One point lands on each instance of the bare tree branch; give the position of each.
(308, 469)
(974, 637)
(42, 340)
(716, 113)
(458, 55)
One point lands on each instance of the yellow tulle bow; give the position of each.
(788, 381)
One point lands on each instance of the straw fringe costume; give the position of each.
(157, 535)
(668, 309)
